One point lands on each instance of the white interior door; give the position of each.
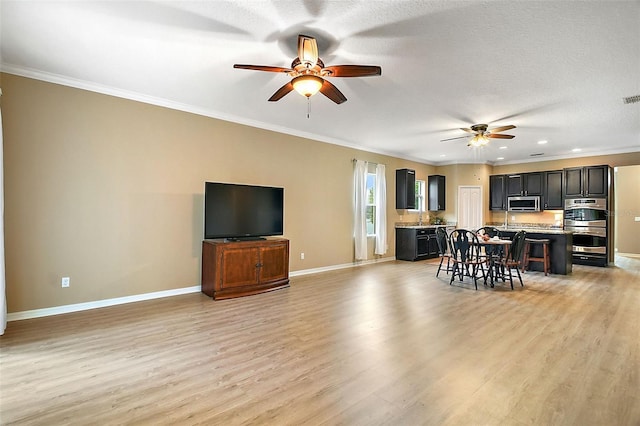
(470, 207)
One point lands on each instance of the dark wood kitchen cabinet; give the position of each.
(524, 184)
(497, 192)
(552, 195)
(436, 187)
(589, 181)
(405, 189)
(416, 243)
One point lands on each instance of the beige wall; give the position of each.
(110, 192)
(464, 175)
(627, 236)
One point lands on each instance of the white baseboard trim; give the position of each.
(65, 309)
(342, 266)
(636, 255)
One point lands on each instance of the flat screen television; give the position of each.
(238, 212)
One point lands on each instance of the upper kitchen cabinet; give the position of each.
(525, 184)
(497, 192)
(436, 192)
(589, 181)
(552, 198)
(405, 189)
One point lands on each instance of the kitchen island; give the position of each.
(560, 247)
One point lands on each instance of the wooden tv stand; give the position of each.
(241, 268)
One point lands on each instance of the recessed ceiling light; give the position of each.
(503, 147)
(576, 149)
(443, 155)
(542, 142)
(500, 158)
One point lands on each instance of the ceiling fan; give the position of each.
(482, 134)
(309, 73)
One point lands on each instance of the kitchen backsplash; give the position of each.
(545, 218)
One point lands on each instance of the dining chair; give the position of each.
(465, 255)
(513, 258)
(443, 249)
(491, 232)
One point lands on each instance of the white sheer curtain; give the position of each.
(360, 209)
(381, 210)
(3, 295)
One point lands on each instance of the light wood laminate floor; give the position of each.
(386, 344)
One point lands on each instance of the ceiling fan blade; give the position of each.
(353, 70)
(281, 92)
(501, 129)
(468, 130)
(332, 92)
(452, 139)
(499, 136)
(307, 50)
(262, 68)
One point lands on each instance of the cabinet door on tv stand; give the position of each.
(274, 260)
(239, 266)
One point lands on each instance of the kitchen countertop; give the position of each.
(423, 226)
(533, 230)
(527, 228)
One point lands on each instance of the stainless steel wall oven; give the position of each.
(588, 219)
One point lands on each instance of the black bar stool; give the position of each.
(545, 254)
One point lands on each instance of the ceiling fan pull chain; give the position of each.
(308, 106)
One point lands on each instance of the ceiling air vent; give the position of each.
(631, 99)
(536, 155)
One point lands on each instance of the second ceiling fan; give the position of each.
(482, 134)
(309, 73)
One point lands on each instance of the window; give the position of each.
(371, 204)
(420, 195)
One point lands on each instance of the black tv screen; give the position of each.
(235, 211)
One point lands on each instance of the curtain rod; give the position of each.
(370, 162)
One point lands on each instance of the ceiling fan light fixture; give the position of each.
(479, 140)
(307, 85)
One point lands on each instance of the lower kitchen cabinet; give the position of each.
(416, 243)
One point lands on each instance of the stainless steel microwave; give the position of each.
(523, 204)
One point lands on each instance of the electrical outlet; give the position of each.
(65, 281)
(301, 256)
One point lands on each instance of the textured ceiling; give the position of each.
(558, 70)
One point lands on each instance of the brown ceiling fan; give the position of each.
(309, 73)
(482, 134)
